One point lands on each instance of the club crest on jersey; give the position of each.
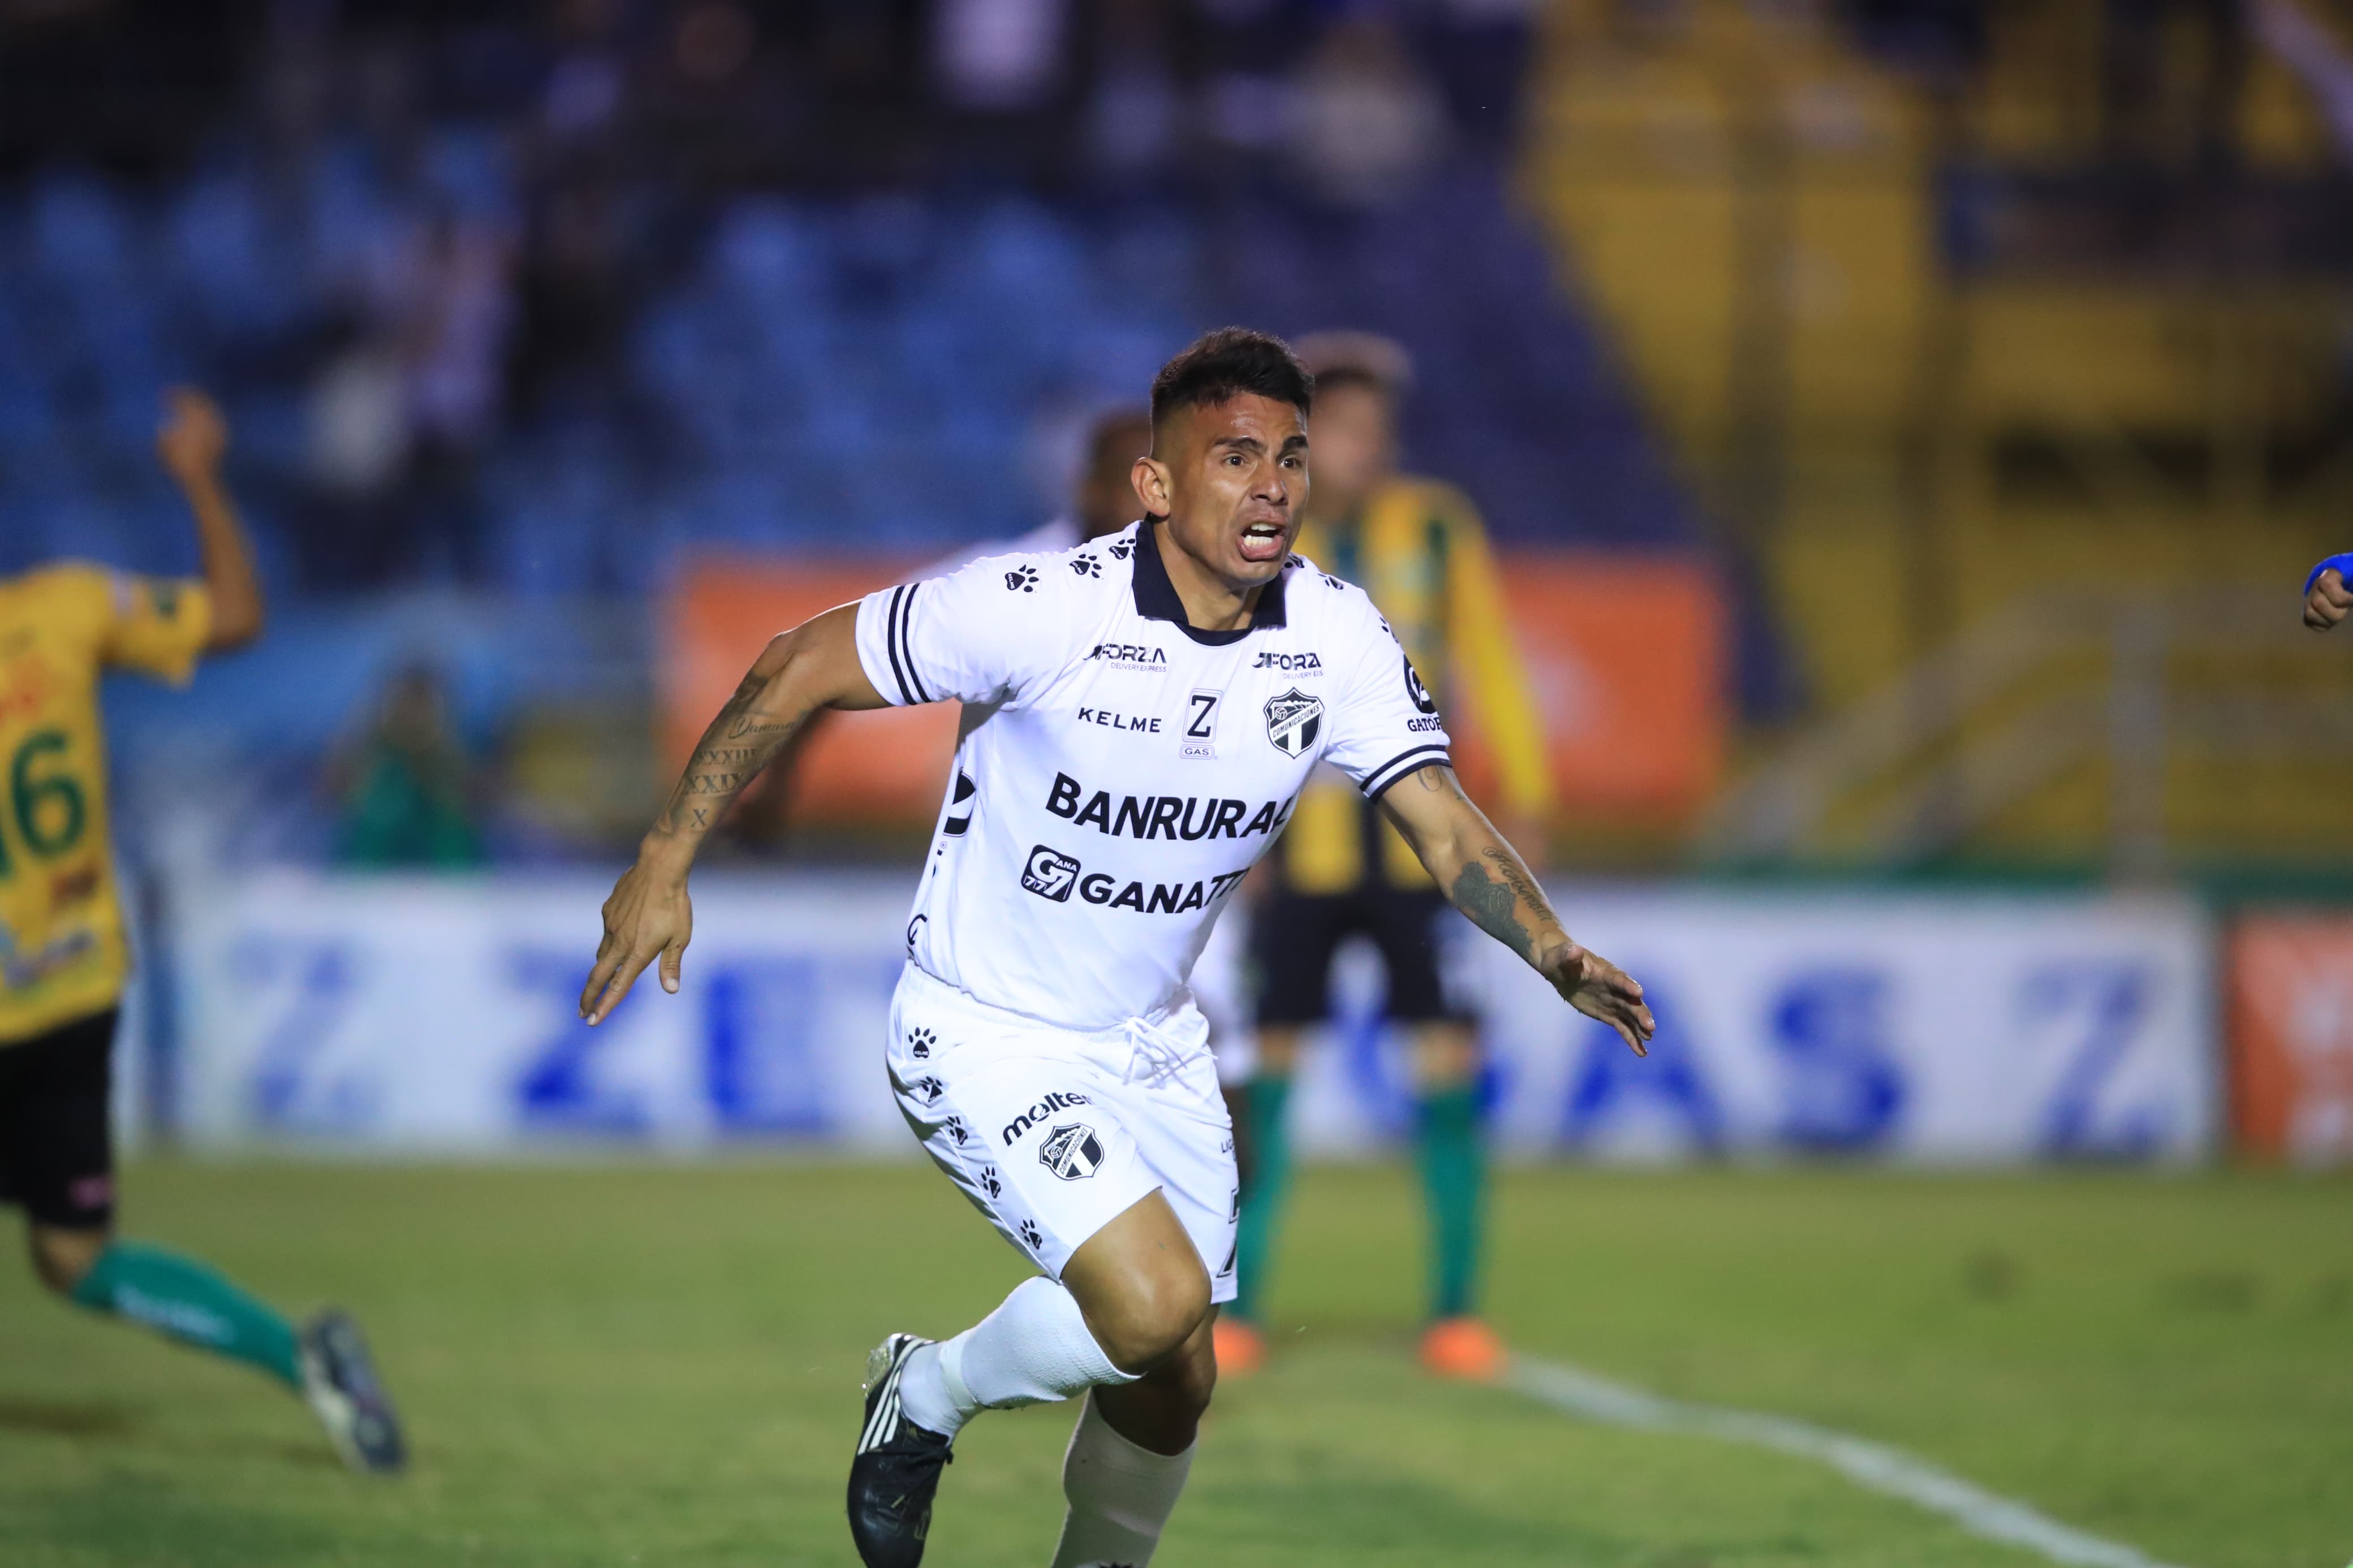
(1071, 1152)
(1293, 720)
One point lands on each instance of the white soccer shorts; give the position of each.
(1054, 1133)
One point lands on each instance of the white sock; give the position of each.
(1034, 1348)
(1121, 1495)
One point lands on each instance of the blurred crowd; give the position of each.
(445, 261)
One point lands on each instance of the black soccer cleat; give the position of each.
(896, 1472)
(340, 1382)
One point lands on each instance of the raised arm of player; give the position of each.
(1485, 878)
(2327, 596)
(812, 666)
(192, 443)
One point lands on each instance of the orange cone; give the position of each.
(1463, 1347)
(1241, 1348)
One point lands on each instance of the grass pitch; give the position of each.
(659, 1365)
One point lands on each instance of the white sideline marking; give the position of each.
(1874, 1464)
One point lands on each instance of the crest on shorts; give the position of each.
(1292, 720)
(1071, 1152)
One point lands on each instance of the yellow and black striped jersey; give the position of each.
(62, 954)
(1418, 549)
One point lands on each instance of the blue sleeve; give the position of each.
(2343, 565)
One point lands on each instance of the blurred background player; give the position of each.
(1418, 548)
(64, 960)
(1104, 502)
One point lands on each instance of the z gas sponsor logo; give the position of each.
(1054, 1105)
(1129, 655)
(1293, 722)
(1290, 663)
(1200, 741)
(1071, 1152)
(1051, 874)
(1173, 817)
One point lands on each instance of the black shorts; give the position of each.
(1295, 935)
(56, 1157)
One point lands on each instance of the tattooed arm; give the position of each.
(1486, 879)
(813, 666)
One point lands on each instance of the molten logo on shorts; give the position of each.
(1035, 1115)
(1071, 1152)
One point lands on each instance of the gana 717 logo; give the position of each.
(1051, 874)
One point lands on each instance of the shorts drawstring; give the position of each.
(1154, 1054)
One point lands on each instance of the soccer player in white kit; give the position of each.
(1140, 713)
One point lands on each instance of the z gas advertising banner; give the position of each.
(436, 1016)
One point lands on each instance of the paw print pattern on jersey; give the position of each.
(920, 1043)
(927, 1090)
(955, 1129)
(1122, 549)
(1032, 1235)
(1332, 583)
(990, 1182)
(1022, 579)
(1086, 566)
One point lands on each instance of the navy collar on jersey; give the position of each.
(1157, 600)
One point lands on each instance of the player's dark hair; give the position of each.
(1226, 363)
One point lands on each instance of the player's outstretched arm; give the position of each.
(192, 443)
(2327, 599)
(1485, 878)
(812, 666)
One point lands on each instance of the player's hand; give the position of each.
(1599, 989)
(648, 917)
(194, 436)
(2329, 602)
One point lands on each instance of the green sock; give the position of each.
(183, 1298)
(1454, 1179)
(1269, 1100)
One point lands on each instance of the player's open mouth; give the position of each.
(1262, 541)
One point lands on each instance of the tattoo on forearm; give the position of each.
(1515, 876)
(1495, 905)
(738, 744)
(1494, 908)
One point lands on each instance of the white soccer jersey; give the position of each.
(1119, 771)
